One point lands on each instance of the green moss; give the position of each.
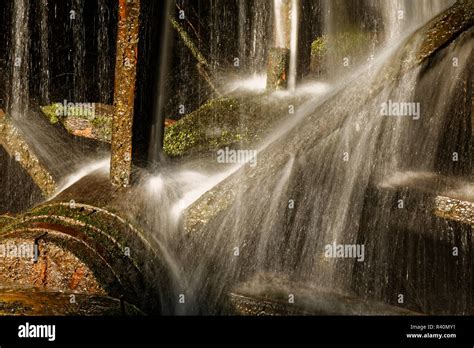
(350, 43)
(78, 117)
(212, 126)
(319, 47)
(278, 65)
(233, 122)
(5, 220)
(50, 111)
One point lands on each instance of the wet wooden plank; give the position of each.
(273, 296)
(13, 142)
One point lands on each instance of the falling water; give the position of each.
(286, 33)
(401, 15)
(45, 71)
(156, 143)
(326, 160)
(356, 30)
(18, 101)
(281, 29)
(293, 45)
(78, 29)
(104, 49)
(56, 150)
(255, 32)
(243, 28)
(259, 36)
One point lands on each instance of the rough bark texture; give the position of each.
(454, 209)
(124, 99)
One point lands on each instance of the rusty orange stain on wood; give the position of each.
(76, 278)
(43, 273)
(123, 8)
(87, 133)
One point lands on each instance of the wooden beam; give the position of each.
(124, 95)
(16, 146)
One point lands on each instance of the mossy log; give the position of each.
(442, 196)
(217, 200)
(445, 28)
(95, 123)
(87, 248)
(230, 121)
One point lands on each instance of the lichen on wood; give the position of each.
(230, 121)
(277, 70)
(454, 209)
(78, 122)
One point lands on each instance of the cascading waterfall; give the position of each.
(156, 143)
(318, 173)
(254, 39)
(259, 36)
(356, 30)
(326, 161)
(286, 33)
(280, 28)
(401, 15)
(104, 49)
(57, 156)
(18, 101)
(243, 29)
(44, 63)
(78, 29)
(254, 21)
(293, 45)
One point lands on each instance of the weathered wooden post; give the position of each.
(278, 66)
(124, 95)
